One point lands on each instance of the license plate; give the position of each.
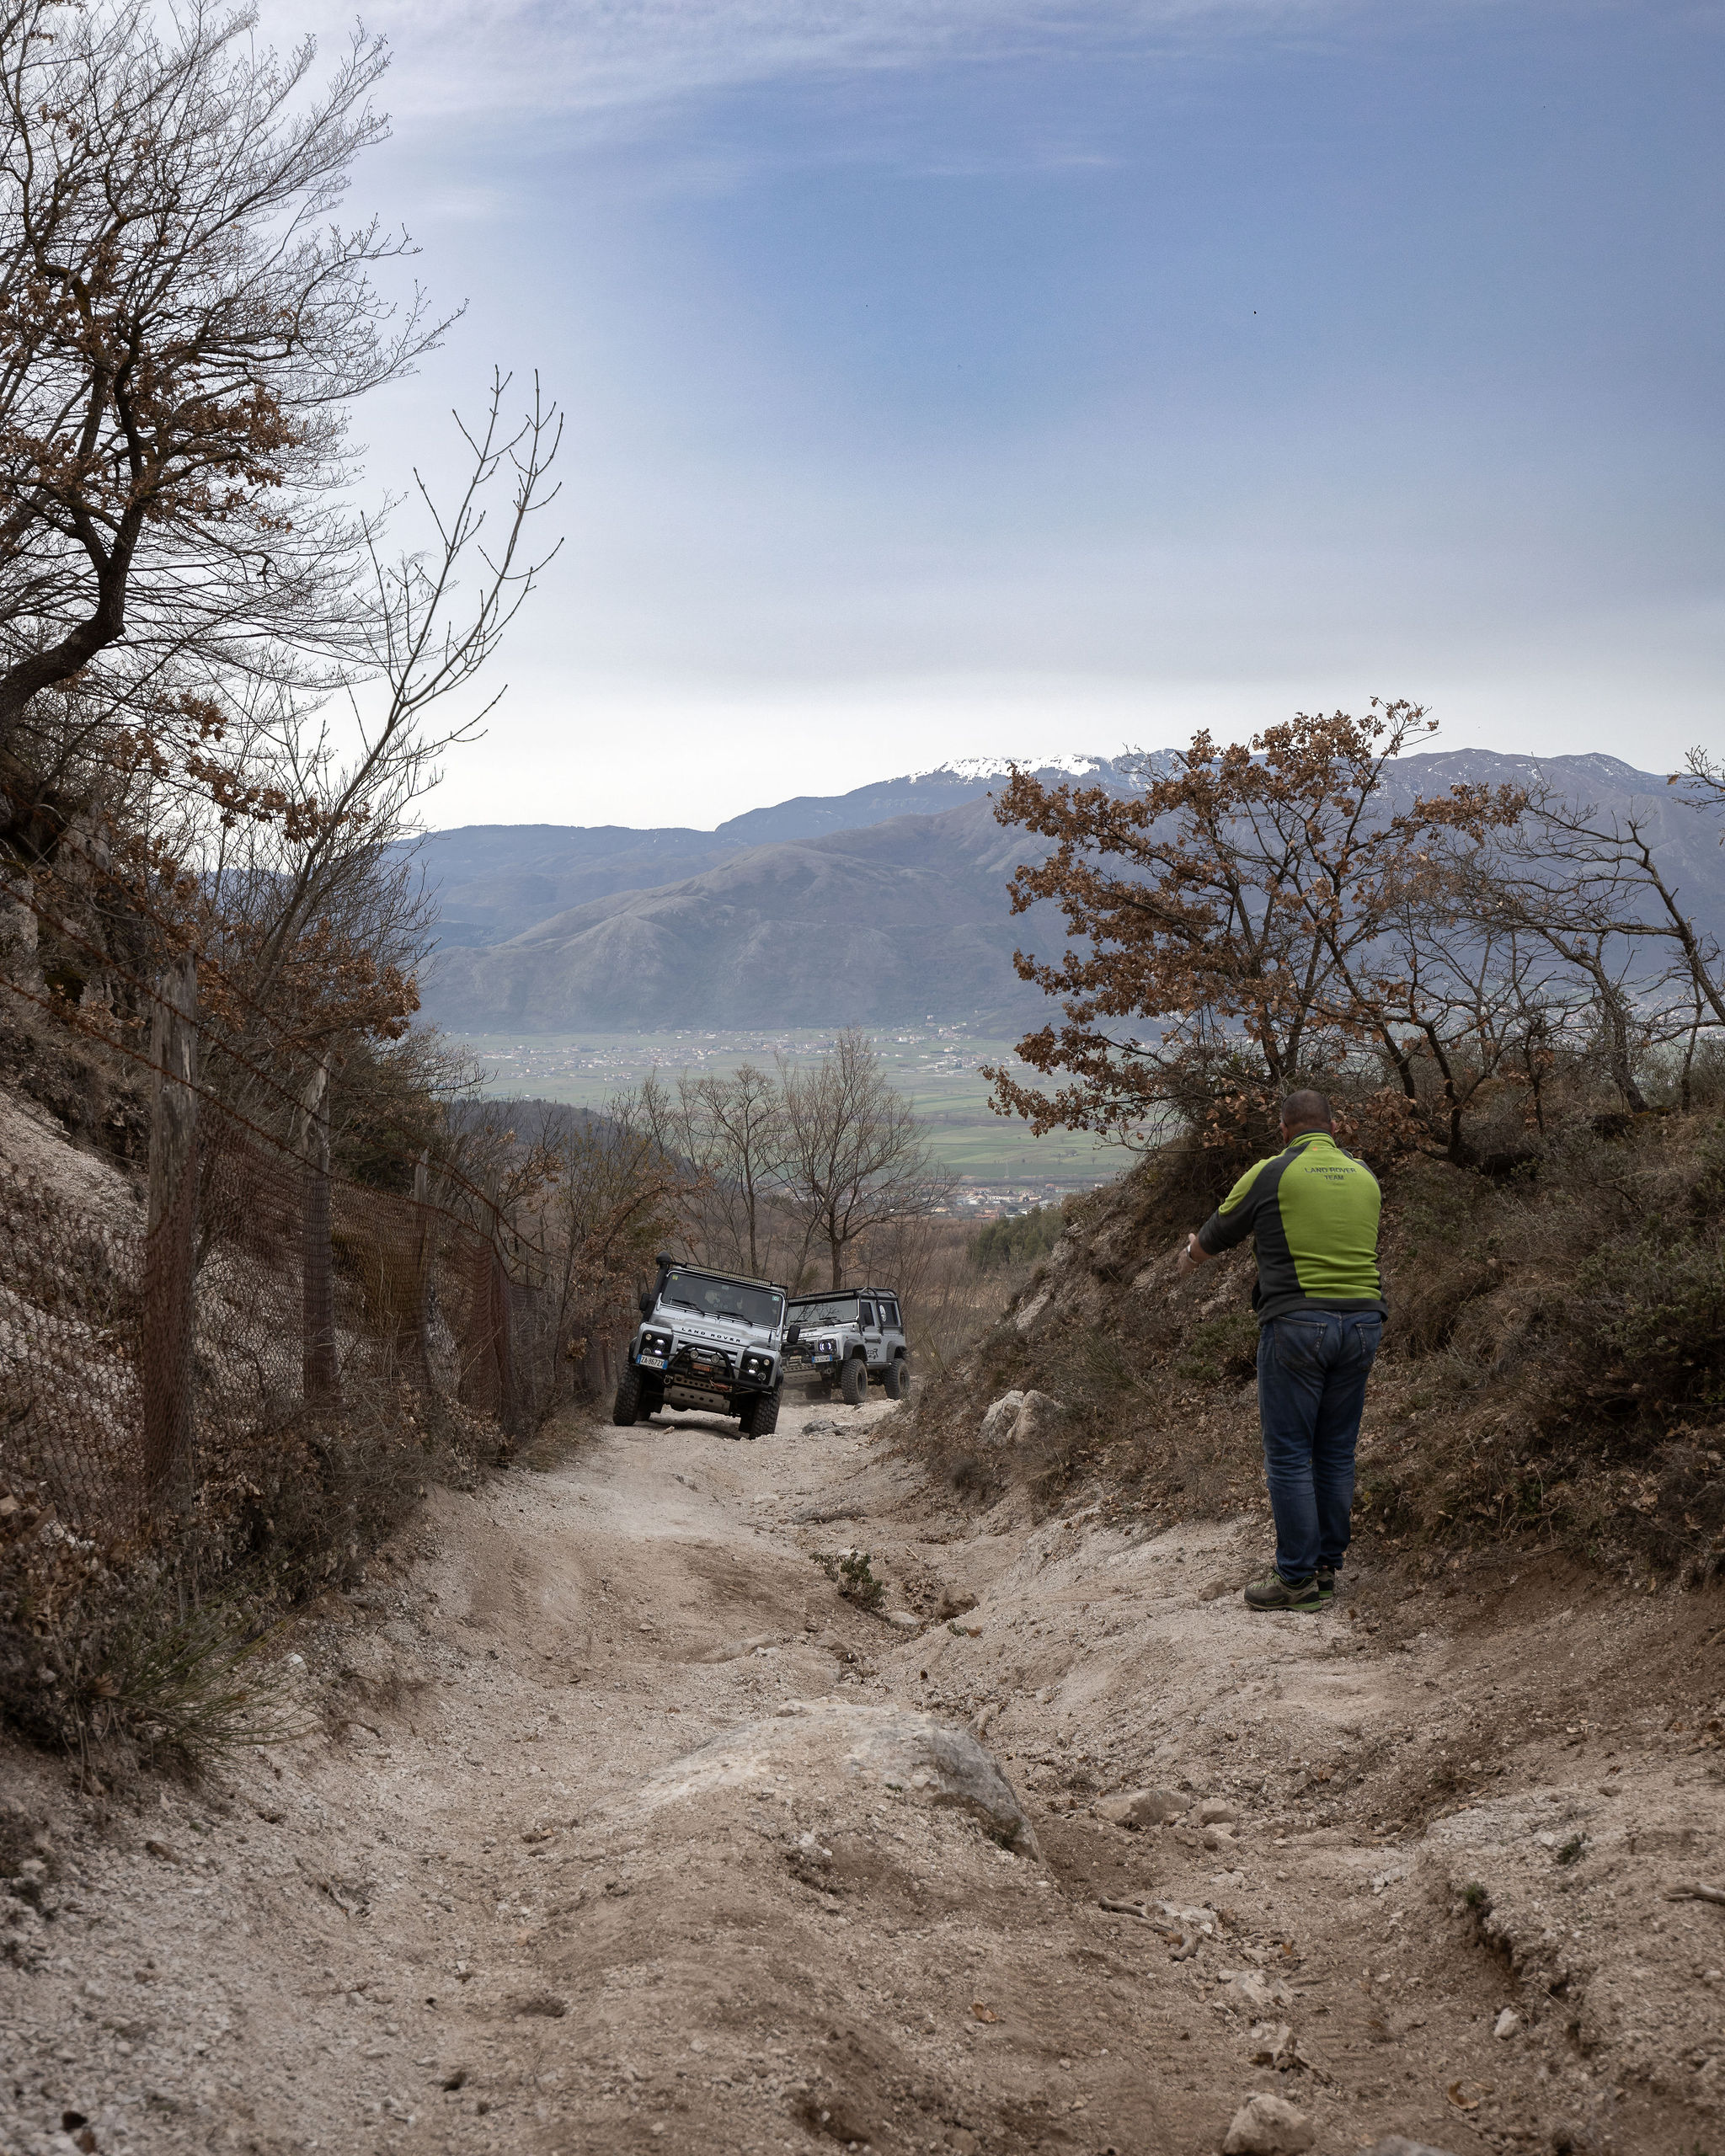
(651, 1362)
(824, 1357)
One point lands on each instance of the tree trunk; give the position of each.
(1616, 1025)
(171, 1227)
(321, 1377)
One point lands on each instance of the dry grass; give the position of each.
(190, 1684)
(148, 1652)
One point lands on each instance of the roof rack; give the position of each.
(821, 1295)
(720, 1273)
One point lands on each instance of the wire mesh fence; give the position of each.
(149, 1367)
(167, 1359)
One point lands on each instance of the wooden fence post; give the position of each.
(507, 1404)
(321, 1377)
(169, 1240)
(424, 1261)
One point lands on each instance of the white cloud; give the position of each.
(639, 750)
(612, 58)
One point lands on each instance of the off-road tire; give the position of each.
(853, 1381)
(760, 1416)
(897, 1379)
(626, 1408)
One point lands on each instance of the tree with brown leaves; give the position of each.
(183, 324)
(1223, 919)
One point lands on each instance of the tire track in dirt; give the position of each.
(462, 1913)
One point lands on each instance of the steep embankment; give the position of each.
(610, 1825)
(1550, 1383)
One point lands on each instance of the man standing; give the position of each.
(1312, 1212)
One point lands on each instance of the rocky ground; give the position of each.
(608, 1825)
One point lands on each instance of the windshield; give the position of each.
(716, 1298)
(825, 1310)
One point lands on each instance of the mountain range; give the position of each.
(886, 905)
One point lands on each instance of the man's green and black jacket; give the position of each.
(1313, 1213)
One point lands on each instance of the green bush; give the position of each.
(849, 1572)
(1018, 1239)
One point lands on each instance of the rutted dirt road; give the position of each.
(490, 1902)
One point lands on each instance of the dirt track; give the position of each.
(481, 1906)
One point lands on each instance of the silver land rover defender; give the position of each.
(844, 1339)
(706, 1339)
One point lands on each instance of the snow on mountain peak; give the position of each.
(975, 767)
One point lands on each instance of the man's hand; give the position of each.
(1191, 1258)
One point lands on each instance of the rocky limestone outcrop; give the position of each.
(1269, 2126)
(1020, 1418)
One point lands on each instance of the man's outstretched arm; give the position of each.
(1227, 1227)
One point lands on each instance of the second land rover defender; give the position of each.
(706, 1339)
(838, 1341)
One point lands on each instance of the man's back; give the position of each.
(1313, 1212)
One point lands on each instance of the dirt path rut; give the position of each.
(585, 1851)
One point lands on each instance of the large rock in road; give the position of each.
(835, 1747)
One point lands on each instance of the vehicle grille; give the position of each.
(708, 1366)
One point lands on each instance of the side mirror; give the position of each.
(647, 1302)
(794, 1335)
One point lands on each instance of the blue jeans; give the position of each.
(1312, 1366)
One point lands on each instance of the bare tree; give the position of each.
(612, 1197)
(185, 326)
(729, 1133)
(1589, 882)
(1454, 1002)
(740, 1127)
(854, 1153)
(315, 914)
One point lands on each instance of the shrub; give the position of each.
(849, 1572)
(1018, 1239)
(1223, 1351)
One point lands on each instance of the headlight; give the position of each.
(757, 1366)
(655, 1343)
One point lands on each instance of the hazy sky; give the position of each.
(953, 377)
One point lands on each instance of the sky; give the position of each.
(960, 378)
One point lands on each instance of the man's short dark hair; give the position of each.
(1305, 1109)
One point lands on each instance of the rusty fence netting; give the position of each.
(167, 1352)
(144, 1364)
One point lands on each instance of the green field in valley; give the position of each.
(939, 1069)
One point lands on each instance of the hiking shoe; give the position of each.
(1325, 1581)
(1274, 1593)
